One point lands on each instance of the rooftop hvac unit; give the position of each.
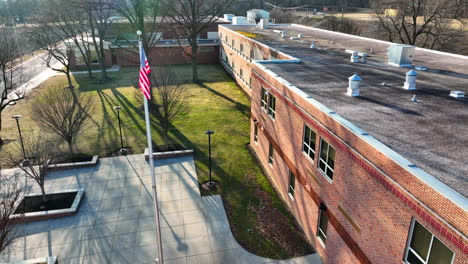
(401, 55)
(228, 17)
(239, 20)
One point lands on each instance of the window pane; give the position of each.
(312, 140)
(322, 165)
(331, 157)
(440, 254)
(330, 173)
(312, 154)
(306, 134)
(412, 259)
(292, 180)
(324, 149)
(421, 240)
(305, 148)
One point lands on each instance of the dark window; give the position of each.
(323, 222)
(251, 54)
(271, 154)
(264, 99)
(256, 131)
(241, 48)
(271, 105)
(233, 42)
(425, 248)
(309, 142)
(327, 159)
(241, 74)
(292, 184)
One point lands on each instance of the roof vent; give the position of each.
(354, 82)
(414, 99)
(312, 46)
(354, 57)
(457, 94)
(263, 23)
(284, 34)
(410, 83)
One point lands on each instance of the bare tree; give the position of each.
(170, 98)
(63, 111)
(10, 192)
(41, 151)
(142, 15)
(51, 39)
(425, 23)
(99, 18)
(10, 72)
(339, 24)
(190, 18)
(69, 27)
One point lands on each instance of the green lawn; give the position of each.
(258, 217)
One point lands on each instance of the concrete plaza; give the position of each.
(115, 222)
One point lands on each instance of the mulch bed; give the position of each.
(71, 158)
(54, 202)
(276, 226)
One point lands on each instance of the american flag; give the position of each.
(144, 74)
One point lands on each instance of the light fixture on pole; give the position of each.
(25, 159)
(209, 133)
(122, 150)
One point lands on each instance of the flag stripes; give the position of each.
(145, 70)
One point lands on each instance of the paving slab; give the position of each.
(115, 221)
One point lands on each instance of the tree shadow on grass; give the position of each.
(244, 109)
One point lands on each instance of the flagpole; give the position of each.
(160, 258)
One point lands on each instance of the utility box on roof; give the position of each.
(239, 20)
(401, 55)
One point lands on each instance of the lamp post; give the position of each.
(122, 151)
(25, 160)
(209, 133)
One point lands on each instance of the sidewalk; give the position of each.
(115, 223)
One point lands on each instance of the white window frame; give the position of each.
(327, 167)
(319, 230)
(410, 238)
(310, 149)
(292, 178)
(264, 101)
(271, 110)
(256, 131)
(271, 154)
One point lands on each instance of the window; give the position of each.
(264, 99)
(271, 105)
(233, 66)
(322, 223)
(425, 248)
(255, 131)
(309, 142)
(233, 44)
(292, 184)
(226, 39)
(241, 74)
(327, 159)
(271, 154)
(251, 54)
(250, 82)
(241, 48)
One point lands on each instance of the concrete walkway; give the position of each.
(115, 223)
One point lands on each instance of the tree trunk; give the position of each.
(69, 80)
(70, 145)
(1, 140)
(193, 56)
(90, 73)
(44, 197)
(102, 58)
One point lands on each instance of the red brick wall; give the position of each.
(167, 55)
(370, 212)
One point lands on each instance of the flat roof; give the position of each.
(433, 133)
